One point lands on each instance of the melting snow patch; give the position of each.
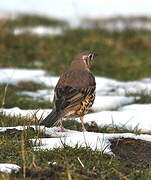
(38, 113)
(54, 131)
(14, 76)
(127, 118)
(105, 86)
(102, 103)
(110, 95)
(9, 168)
(39, 30)
(44, 94)
(130, 117)
(95, 141)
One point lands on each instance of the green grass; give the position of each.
(16, 121)
(33, 20)
(16, 148)
(68, 124)
(79, 163)
(10, 96)
(93, 127)
(124, 55)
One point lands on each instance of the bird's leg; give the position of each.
(83, 127)
(61, 126)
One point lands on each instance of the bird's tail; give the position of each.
(53, 117)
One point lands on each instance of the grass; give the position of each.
(79, 163)
(124, 55)
(12, 97)
(65, 159)
(119, 50)
(93, 127)
(33, 20)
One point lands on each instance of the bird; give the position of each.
(74, 93)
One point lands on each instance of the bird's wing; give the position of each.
(67, 96)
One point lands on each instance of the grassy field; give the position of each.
(124, 55)
(76, 163)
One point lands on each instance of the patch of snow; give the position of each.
(117, 25)
(53, 131)
(47, 131)
(137, 108)
(110, 95)
(105, 86)
(44, 94)
(127, 118)
(99, 141)
(130, 117)
(96, 141)
(38, 113)
(14, 76)
(102, 103)
(9, 168)
(39, 30)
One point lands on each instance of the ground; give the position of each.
(132, 152)
(124, 55)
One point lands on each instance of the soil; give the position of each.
(14, 132)
(55, 172)
(132, 152)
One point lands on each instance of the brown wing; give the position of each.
(67, 96)
(68, 93)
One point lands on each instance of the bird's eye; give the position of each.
(90, 56)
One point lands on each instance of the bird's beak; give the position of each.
(95, 54)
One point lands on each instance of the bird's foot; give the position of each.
(84, 130)
(62, 129)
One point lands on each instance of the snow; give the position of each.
(130, 117)
(43, 95)
(14, 76)
(9, 168)
(114, 103)
(39, 30)
(111, 94)
(95, 141)
(105, 86)
(53, 131)
(103, 103)
(39, 113)
(114, 106)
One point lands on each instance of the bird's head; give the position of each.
(85, 58)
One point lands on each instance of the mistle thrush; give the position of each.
(74, 93)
